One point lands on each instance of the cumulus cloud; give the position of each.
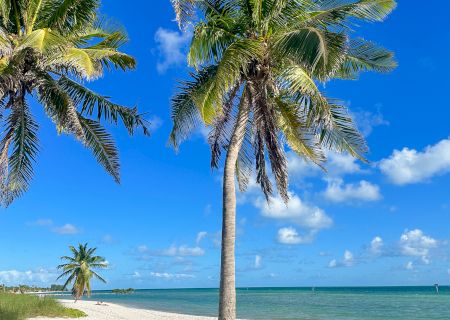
(376, 245)
(409, 166)
(415, 243)
(290, 235)
(348, 260)
(172, 46)
(171, 276)
(296, 211)
(16, 277)
(337, 165)
(66, 229)
(337, 191)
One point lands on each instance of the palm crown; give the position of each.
(260, 65)
(79, 267)
(47, 47)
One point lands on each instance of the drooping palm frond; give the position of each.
(68, 16)
(21, 134)
(93, 104)
(102, 145)
(185, 113)
(365, 56)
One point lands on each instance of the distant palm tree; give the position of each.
(47, 48)
(259, 65)
(78, 269)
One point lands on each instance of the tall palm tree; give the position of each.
(47, 49)
(78, 269)
(260, 66)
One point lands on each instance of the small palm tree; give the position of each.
(47, 49)
(259, 66)
(78, 269)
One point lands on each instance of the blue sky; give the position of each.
(385, 223)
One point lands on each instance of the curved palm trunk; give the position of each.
(227, 299)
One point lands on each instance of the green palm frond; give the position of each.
(365, 56)
(31, 14)
(68, 15)
(298, 136)
(185, 113)
(22, 136)
(43, 40)
(208, 44)
(93, 104)
(5, 9)
(235, 61)
(102, 145)
(336, 129)
(60, 107)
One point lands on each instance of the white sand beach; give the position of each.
(111, 311)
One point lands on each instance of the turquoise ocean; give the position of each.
(355, 303)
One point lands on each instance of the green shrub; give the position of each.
(23, 306)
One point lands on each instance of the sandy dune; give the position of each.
(110, 311)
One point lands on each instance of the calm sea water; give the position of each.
(374, 303)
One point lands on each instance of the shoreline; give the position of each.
(112, 311)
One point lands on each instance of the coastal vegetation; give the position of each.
(25, 288)
(79, 269)
(260, 66)
(123, 291)
(24, 306)
(47, 50)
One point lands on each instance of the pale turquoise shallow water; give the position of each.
(380, 303)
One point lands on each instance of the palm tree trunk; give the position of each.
(227, 299)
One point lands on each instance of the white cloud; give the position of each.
(172, 251)
(171, 46)
(415, 243)
(42, 223)
(107, 239)
(258, 262)
(338, 192)
(171, 276)
(338, 164)
(66, 229)
(290, 236)
(332, 264)
(16, 277)
(190, 251)
(376, 245)
(411, 166)
(367, 120)
(348, 260)
(296, 211)
(136, 275)
(200, 236)
(409, 265)
(154, 123)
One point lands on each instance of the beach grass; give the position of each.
(24, 306)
